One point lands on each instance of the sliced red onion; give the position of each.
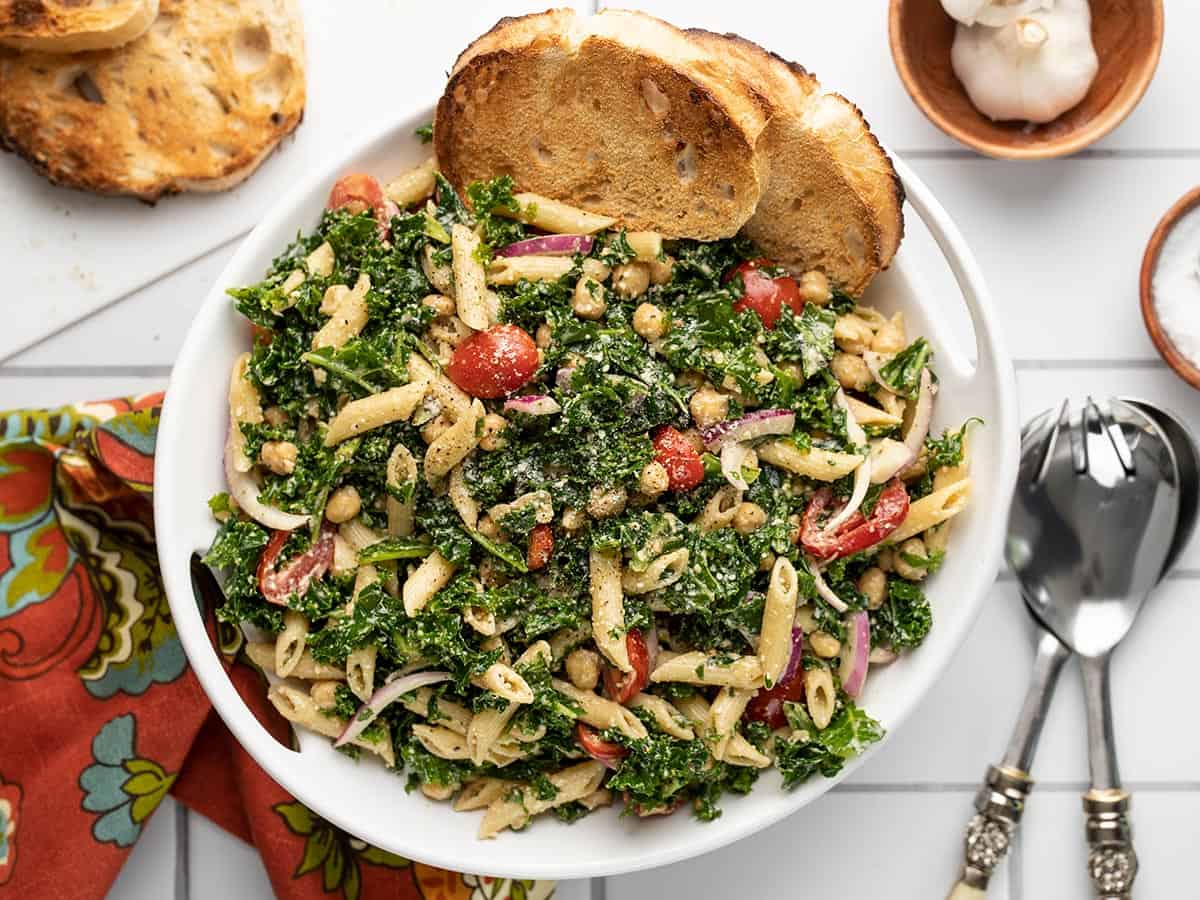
(244, 489)
(823, 589)
(652, 648)
(732, 457)
(549, 245)
(889, 457)
(562, 378)
(917, 428)
(382, 698)
(881, 656)
(533, 405)
(862, 475)
(856, 651)
(759, 423)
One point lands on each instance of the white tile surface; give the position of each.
(852, 845)
(222, 866)
(151, 868)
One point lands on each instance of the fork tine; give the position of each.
(1116, 436)
(1046, 436)
(1089, 429)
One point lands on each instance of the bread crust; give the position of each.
(196, 103)
(55, 26)
(620, 114)
(834, 200)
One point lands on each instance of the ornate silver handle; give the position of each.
(1112, 862)
(999, 805)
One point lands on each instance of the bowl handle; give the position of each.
(989, 348)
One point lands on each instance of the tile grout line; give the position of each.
(182, 852)
(598, 889)
(220, 245)
(1043, 787)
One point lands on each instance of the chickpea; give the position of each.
(890, 337)
(440, 304)
(596, 270)
(886, 559)
(275, 416)
(825, 645)
(804, 619)
(650, 321)
(767, 563)
(544, 336)
(488, 528)
(852, 334)
(748, 517)
(913, 547)
(279, 456)
(690, 379)
(692, 436)
(873, 584)
(936, 537)
(573, 519)
(851, 372)
(583, 668)
(661, 270)
(451, 331)
(654, 479)
(492, 437)
(344, 504)
(814, 288)
(605, 503)
(794, 527)
(793, 371)
(433, 429)
(588, 302)
(708, 407)
(490, 574)
(438, 791)
(631, 279)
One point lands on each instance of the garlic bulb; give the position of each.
(992, 12)
(1035, 68)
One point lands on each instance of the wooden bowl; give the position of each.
(1128, 38)
(1186, 370)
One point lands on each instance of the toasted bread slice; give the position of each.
(194, 104)
(71, 26)
(833, 201)
(618, 113)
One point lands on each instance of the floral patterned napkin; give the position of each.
(101, 715)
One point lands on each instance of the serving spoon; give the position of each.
(1048, 443)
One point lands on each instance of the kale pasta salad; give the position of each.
(548, 515)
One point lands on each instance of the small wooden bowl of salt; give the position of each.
(1170, 287)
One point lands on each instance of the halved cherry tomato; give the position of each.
(262, 335)
(541, 547)
(357, 193)
(597, 748)
(856, 533)
(492, 363)
(278, 583)
(622, 687)
(763, 294)
(674, 452)
(767, 705)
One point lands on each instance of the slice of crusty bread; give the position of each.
(70, 26)
(618, 113)
(833, 200)
(196, 103)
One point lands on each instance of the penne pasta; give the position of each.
(360, 416)
(646, 245)
(452, 445)
(298, 708)
(820, 696)
(479, 793)
(867, 415)
(697, 667)
(441, 742)
(558, 218)
(244, 406)
(662, 572)
(460, 495)
(775, 636)
(433, 574)
(740, 752)
(570, 784)
(401, 479)
(504, 681)
(818, 464)
(411, 187)
(932, 509)
(723, 716)
(608, 607)
(289, 644)
(262, 654)
(719, 511)
(668, 719)
(360, 671)
(438, 710)
(600, 712)
(475, 303)
(511, 269)
(347, 311)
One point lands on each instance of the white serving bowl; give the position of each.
(366, 800)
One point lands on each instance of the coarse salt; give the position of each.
(1176, 286)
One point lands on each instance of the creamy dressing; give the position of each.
(1176, 285)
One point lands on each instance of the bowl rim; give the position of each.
(284, 765)
(1072, 142)
(1166, 348)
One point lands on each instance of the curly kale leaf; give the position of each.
(806, 338)
(905, 618)
(495, 209)
(235, 550)
(902, 372)
(823, 752)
